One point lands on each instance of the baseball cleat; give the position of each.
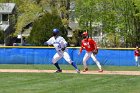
(59, 70)
(100, 70)
(77, 70)
(86, 69)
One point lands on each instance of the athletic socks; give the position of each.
(57, 66)
(74, 65)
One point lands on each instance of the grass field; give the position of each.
(67, 83)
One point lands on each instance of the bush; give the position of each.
(42, 29)
(75, 40)
(1, 37)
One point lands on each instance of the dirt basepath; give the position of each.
(69, 71)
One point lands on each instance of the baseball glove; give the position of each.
(95, 52)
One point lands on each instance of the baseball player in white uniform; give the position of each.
(60, 45)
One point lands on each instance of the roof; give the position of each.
(6, 8)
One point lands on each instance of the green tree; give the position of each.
(28, 12)
(1, 37)
(119, 18)
(42, 28)
(136, 4)
(85, 14)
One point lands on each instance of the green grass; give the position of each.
(69, 67)
(67, 83)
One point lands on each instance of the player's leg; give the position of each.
(66, 56)
(136, 60)
(86, 57)
(139, 61)
(97, 62)
(56, 57)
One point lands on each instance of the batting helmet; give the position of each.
(85, 34)
(55, 32)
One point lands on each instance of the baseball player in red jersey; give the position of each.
(137, 56)
(91, 48)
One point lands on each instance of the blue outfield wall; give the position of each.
(43, 55)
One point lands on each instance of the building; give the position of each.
(6, 10)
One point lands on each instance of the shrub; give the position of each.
(42, 29)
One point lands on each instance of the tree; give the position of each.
(136, 5)
(27, 12)
(85, 14)
(42, 28)
(1, 37)
(118, 17)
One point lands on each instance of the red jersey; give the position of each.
(89, 44)
(137, 52)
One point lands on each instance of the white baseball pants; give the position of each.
(61, 54)
(87, 56)
(137, 59)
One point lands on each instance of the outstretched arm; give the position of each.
(80, 51)
(49, 42)
(45, 43)
(95, 51)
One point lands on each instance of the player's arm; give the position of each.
(139, 52)
(94, 44)
(81, 48)
(49, 42)
(45, 43)
(63, 43)
(95, 51)
(63, 48)
(80, 51)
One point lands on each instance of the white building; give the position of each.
(6, 9)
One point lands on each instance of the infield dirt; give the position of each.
(69, 71)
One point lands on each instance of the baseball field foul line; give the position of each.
(69, 71)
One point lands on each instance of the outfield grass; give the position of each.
(69, 67)
(67, 83)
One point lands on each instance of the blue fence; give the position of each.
(37, 55)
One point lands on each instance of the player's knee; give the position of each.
(53, 61)
(70, 62)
